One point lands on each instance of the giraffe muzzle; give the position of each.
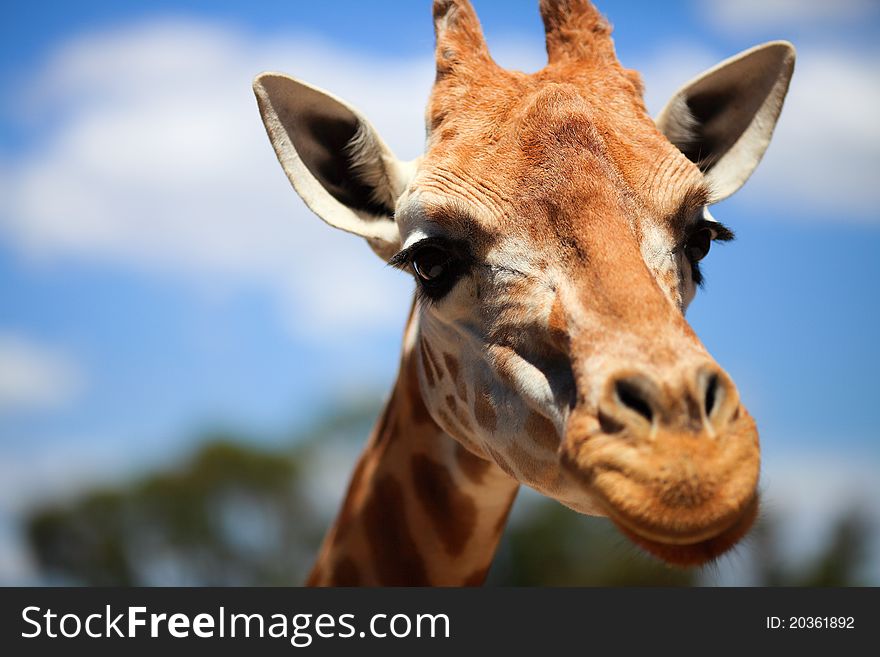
(675, 467)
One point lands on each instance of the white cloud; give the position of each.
(755, 15)
(34, 376)
(152, 156)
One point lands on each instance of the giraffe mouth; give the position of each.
(692, 549)
(687, 502)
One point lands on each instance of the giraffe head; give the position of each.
(554, 232)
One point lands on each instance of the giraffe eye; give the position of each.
(431, 264)
(437, 264)
(697, 246)
(700, 238)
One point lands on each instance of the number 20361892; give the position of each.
(810, 623)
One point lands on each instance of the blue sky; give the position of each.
(159, 277)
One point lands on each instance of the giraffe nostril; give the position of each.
(633, 396)
(720, 398)
(711, 394)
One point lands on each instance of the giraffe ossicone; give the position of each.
(554, 232)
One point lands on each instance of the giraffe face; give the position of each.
(555, 232)
(552, 340)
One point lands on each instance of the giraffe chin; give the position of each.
(675, 551)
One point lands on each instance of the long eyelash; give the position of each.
(422, 297)
(720, 233)
(697, 275)
(402, 259)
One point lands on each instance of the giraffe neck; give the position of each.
(420, 509)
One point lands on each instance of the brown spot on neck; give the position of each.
(540, 473)
(459, 414)
(452, 513)
(427, 365)
(394, 552)
(451, 366)
(426, 351)
(542, 431)
(453, 369)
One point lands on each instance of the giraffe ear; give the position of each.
(723, 119)
(334, 158)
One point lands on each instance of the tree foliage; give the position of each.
(236, 514)
(231, 515)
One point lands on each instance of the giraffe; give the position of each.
(554, 232)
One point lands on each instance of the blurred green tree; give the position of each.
(232, 515)
(839, 562)
(236, 514)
